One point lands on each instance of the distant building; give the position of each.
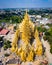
(32, 17)
(44, 21)
(50, 21)
(46, 26)
(38, 16)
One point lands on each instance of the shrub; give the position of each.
(6, 54)
(51, 49)
(7, 44)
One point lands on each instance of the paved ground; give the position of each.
(31, 63)
(48, 54)
(10, 36)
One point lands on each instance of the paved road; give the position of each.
(48, 54)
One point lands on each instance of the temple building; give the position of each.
(23, 42)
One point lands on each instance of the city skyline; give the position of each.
(25, 3)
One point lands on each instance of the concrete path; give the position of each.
(48, 54)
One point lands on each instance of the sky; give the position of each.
(25, 3)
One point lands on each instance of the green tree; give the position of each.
(51, 48)
(7, 44)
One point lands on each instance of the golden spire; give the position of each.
(36, 33)
(26, 17)
(26, 33)
(38, 43)
(26, 11)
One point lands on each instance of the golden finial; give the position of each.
(26, 11)
(26, 17)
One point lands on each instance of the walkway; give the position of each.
(48, 54)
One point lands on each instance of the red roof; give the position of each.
(3, 32)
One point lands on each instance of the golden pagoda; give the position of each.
(22, 43)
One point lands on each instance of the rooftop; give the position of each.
(4, 32)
